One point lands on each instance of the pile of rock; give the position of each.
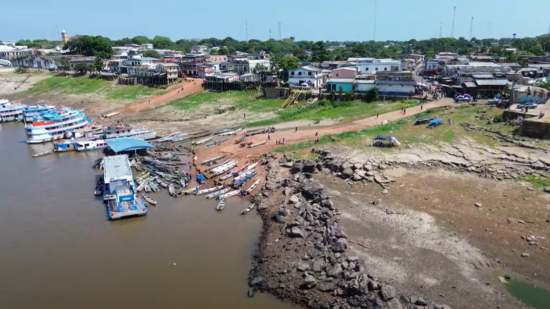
(302, 253)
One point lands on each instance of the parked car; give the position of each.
(527, 105)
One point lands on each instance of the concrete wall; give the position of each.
(535, 129)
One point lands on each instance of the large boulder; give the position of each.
(297, 167)
(256, 281)
(394, 304)
(309, 167)
(340, 245)
(327, 286)
(335, 271)
(297, 232)
(327, 203)
(347, 172)
(309, 282)
(302, 265)
(318, 265)
(311, 190)
(388, 292)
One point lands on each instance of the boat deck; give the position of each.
(126, 209)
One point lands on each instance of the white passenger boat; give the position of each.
(90, 145)
(54, 124)
(32, 111)
(208, 190)
(216, 194)
(10, 111)
(229, 194)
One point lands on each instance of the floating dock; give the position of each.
(120, 190)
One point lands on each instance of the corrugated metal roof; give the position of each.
(492, 82)
(470, 85)
(127, 144)
(116, 167)
(483, 76)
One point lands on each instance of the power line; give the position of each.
(471, 27)
(453, 27)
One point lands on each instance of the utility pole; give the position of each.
(471, 27)
(246, 28)
(440, 29)
(280, 35)
(375, 5)
(453, 27)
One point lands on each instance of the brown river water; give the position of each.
(58, 250)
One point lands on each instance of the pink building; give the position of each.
(344, 72)
(216, 58)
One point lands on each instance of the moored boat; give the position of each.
(213, 159)
(247, 209)
(172, 189)
(257, 144)
(11, 111)
(53, 125)
(224, 169)
(90, 145)
(253, 186)
(221, 205)
(208, 190)
(202, 141)
(34, 110)
(216, 194)
(229, 194)
(149, 200)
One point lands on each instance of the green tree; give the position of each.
(97, 46)
(372, 95)
(260, 68)
(62, 63)
(287, 63)
(162, 42)
(151, 53)
(319, 52)
(98, 64)
(140, 40)
(81, 68)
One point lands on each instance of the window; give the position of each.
(292, 73)
(299, 73)
(309, 73)
(337, 75)
(376, 69)
(385, 69)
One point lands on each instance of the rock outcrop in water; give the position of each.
(302, 254)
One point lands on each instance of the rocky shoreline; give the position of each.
(302, 253)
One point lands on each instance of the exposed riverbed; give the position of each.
(60, 251)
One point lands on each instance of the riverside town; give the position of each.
(270, 166)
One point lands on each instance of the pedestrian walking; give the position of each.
(244, 115)
(421, 107)
(268, 137)
(190, 167)
(296, 129)
(376, 116)
(316, 133)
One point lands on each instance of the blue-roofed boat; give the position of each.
(10, 111)
(32, 111)
(119, 192)
(54, 124)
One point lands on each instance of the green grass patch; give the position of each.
(408, 134)
(245, 100)
(81, 85)
(132, 92)
(344, 111)
(68, 85)
(536, 181)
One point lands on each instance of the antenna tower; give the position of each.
(471, 27)
(246, 28)
(374, 36)
(440, 28)
(270, 34)
(280, 35)
(453, 27)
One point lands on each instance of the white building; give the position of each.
(307, 76)
(11, 51)
(371, 66)
(248, 65)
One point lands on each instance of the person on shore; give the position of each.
(190, 167)
(421, 107)
(244, 115)
(377, 116)
(316, 140)
(283, 140)
(268, 136)
(296, 130)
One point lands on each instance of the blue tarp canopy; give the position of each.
(201, 177)
(436, 121)
(127, 144)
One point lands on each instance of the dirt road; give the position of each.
(189, 87)
(306, 131)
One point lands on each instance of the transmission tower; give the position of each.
(471, 27)
(246, 28)
(453, 26)
(440, 28)
(375, 5)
